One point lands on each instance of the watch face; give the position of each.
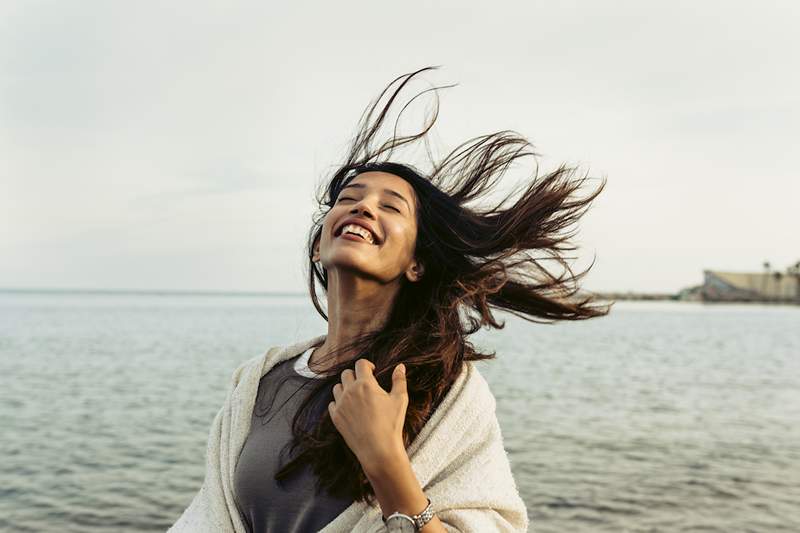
(398, 524)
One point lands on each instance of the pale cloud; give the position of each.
(178, 145)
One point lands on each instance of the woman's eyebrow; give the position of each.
(387, 191)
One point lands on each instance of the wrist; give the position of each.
(385, 462)
(394, 483)
(400, 521)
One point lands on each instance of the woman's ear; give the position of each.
(415, 271)
(315, 255)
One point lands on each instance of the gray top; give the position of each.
(292, 506)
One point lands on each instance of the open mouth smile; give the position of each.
(355, 232)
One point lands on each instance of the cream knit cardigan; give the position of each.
(458, 459)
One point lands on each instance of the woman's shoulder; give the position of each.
(467, 408)
(477, 387)
(260, 364)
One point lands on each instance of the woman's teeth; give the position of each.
(358, 230)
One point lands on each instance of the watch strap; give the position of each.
(419, 520)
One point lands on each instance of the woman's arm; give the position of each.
(397, 489)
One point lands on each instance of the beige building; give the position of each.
(747, 286)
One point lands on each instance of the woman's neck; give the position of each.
(355, 307)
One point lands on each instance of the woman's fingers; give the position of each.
(348, 377)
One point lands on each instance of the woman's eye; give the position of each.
(385, 205)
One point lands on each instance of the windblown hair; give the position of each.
(475, 259)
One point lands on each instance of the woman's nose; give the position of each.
(363, 208)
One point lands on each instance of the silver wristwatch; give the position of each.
(402, 523)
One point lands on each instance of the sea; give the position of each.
(659, 417)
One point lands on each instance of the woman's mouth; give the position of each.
(351, 237)
(356, 232)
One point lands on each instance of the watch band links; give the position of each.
(419, 520)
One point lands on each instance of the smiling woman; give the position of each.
(388, 423)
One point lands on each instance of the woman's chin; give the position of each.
(351, 264)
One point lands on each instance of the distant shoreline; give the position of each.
(177, 292)
(683, 298)
(603, 296)
(149, 292)
(636, 296)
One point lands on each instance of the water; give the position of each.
(659, 417)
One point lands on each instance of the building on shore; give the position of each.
(721, 286)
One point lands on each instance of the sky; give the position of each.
(178, 145)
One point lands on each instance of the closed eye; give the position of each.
(385, 205)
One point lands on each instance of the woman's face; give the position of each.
(384, 204)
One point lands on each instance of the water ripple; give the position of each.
(657, 418)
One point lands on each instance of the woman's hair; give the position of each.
(475, 260)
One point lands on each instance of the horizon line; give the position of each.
(249, 293)
(174, 292)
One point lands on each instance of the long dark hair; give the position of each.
(475, 259)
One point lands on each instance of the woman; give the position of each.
(386, 423)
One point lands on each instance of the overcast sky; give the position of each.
(177, 145)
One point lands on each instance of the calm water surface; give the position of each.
(659, 417)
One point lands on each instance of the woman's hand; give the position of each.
(371, 422)
(370, 419)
